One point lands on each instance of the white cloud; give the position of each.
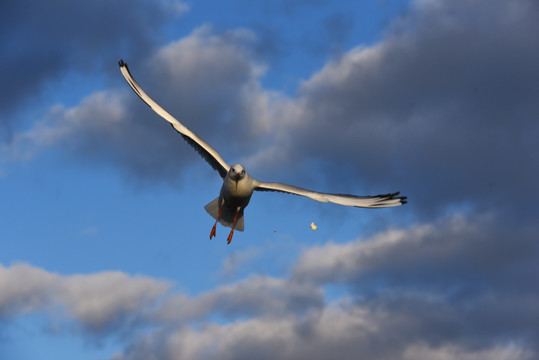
(207, 79)
(215, 76)
(95, 301)
(340, 262)
(336, 332)
(442, 106)
(25, 289)
(429, 291)
(232, 262)
(177, 7)
(254, 296)
(510, 351)
(99, 114)
(98, 300)
(318, 335)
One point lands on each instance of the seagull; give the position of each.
(238, 186)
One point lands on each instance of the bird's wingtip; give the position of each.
(403, 199)
(122, 63)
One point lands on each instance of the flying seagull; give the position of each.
(238, 186)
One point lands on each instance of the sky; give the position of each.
(105, 250)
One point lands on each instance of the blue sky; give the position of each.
(105, 242)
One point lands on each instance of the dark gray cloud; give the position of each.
(42, 41)
(427, 292)
(459, 287)
(214, 87)
(458, 279)
(328, 39)
(465, 250)
(444, 108)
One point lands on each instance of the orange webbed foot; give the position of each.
(229, 240)
(233, 226)
(213, 229)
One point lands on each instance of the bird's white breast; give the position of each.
(238, 189)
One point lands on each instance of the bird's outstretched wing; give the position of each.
(207, 152)
(378, 201)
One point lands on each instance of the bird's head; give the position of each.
(236, 172)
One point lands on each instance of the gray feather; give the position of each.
(227, 215)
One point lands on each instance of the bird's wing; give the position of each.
(207, 152)
(378, 201)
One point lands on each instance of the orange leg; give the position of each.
(233, 226)
(213, 230)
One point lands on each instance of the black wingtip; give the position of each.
(122, 63)
(403, 199)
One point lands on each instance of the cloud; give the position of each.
(510, 351)
(97, 301)
(99, 113)
(442, 108)
(25, 289)
(110, 299)
(255, 296)
(438, 290)
(263, 338)
(38, 50)
(409, 253)
(335, 333)
(474, 266)
(214, 85)
(232, 262)
(456, 287)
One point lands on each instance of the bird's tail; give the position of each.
(227, 215)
